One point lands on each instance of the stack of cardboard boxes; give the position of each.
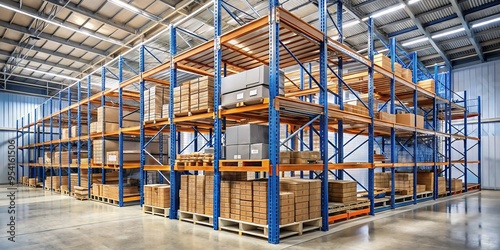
(157, 195)
(247, 142)
(111, 191)
(426, 179)
(225, 199)
(304, 157)
(209, 195)
(314, 199)
(300, 190)
(259, 204)
(246, 201)
(74, 130)
(287, 210)
(201, 96)
(456, 185)
(200, 194)
(108, 118)
(235, 200)
(428, 85)
(441, 185)
(182, 99)
(183, 193)
(248, 87)
(154, 99)
(192, 193)
(382, 180)
(106, 151)
(407, 74)
(404, 183)
(409, 120)
(342, 191)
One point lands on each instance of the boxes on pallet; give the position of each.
(406, 119)
(441, 185)
(65, 133)
(428, 85)
(382, 61)
(111, 191)
(300, 189)
(285, 157)
(247, 79)
(407, 74)
(32, 181)
(165, 111)
(183, 193)
(74, 130)
(200, 194)
(235, 200)
(66, 157)
(102, 147)
(314, 198)
(111, 115)
(456, 185)
(192, 193)
(225, 199)
(209, 195)
(246, 201)
(342, 191)
(154, 99)
(382, 180)
(384, 116)
(160, 195)
(287, 208)
(201, 96)
(93, 127)
(182, 98)
(420, 188)
(133, 156)
(427, 179)
(259, 201)
(304, 157)
(404, 183)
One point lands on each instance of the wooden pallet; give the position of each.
(81, 197)
(247, 103)
(473, 187)
(248, 228)
(110, 201)
(244, 165)
(348, 214)
(159, 211)
(342, 207)
(199, 111)
(193, 164)
(195, 218)
(66, 192)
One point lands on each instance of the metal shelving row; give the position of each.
(283, 41)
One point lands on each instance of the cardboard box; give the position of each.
(259, 151)
(253, 77)
(406, 119)
(74, 130)
(407, 74)
(426, 179)
(420, 121)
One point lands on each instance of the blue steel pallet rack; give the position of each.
(281, 40)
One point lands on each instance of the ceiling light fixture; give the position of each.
(51, 74)
(485, 22)
(413, 2)
(382, 51)
(61, 25)
(350, 24)
(424, 39)
(135, 10)
(448, 33)
(386, 11)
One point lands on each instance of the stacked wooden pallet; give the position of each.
(81, 193)
(195, 159)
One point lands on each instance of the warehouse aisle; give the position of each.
(52, 221)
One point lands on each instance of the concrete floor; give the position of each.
(53, 221)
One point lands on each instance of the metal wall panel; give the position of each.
(13, 106)
(482, 80)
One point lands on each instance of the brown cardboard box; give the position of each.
(163, 196)
(427, 179)
(342, 191)
(456, 185)
(384, 116)
(428, 85)
(398, 69)
(406, 119)
(420, 121)
(192, 194)
(441, 185)
(200, 194)
(407, 74)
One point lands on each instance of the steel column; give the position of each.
(392, 110)
(273, 205)
(69, 143)
(89, 140)
(466, 149)
(415, 136)
(174, 176)
(120, 134)
(371, 128)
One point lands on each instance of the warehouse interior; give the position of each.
(339, 124)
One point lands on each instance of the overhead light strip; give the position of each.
(384, 12)
(51, 74)
(83, 32)
(424, 39)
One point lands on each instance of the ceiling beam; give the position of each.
(46, 51)
(43, 62)
(426, 34)
(468, 31)
(93, 15)
(56, 39)
(36, 79)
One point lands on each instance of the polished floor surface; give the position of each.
(53, 221)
